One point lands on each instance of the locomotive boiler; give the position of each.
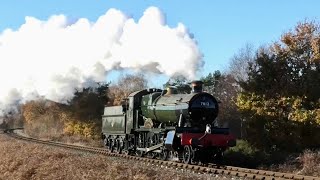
(185, 110)
(165, 124)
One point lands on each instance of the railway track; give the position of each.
(210, 169)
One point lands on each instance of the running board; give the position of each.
(152, 148)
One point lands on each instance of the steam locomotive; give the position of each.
(164, 124)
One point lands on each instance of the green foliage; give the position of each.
(280, 124)
(280, 100)
(180, 82)
(211, 79)
(88, 104)
(211, 82)
(244, 155)
(86, 108)
(244, 147)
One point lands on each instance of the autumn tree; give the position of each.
(224, 88)
(42, 118)
(125, 85)
(81, 116)
(280, 98)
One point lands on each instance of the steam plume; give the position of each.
(52, 58)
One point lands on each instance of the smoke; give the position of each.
(52, 58)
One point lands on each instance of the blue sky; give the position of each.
(220, 27)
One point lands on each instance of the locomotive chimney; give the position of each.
(196, 86)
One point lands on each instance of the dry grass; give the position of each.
(306, 163)
(310, 161)
(23, 160)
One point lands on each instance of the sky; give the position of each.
(221, 28)
(192, 38)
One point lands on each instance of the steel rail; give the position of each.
(210, 169)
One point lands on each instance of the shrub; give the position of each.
(79, 128)
(244, 147)
(310, 161)
(244, 155)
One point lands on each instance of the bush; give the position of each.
(88, 130)
(243, 155)
(310, 161)
(244, 147)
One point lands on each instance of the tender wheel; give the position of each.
(105, 142)
(111, 145)
(187, 154)
(125, 149)
(118, 147)
(111, 148)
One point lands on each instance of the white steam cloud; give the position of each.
(53, 58)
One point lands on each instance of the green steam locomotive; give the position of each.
(165, 124)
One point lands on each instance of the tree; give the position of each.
(240, 62)
(83, 115)
(225, 88)
(180, 82)
(280, 98)
(126, 85)
(88, 104)
(211, 81)
(42, 118)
